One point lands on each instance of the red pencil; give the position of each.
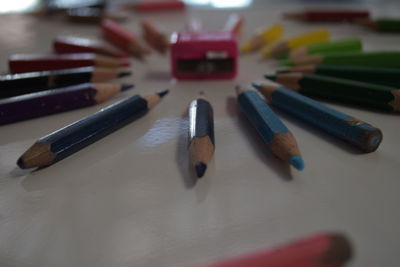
(321, 250)
(70, 44)
(234, 24)
(122, 38)
(322, 15)
(19, 63)
(147, 6)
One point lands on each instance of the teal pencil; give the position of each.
(274, 133)
(348, 128)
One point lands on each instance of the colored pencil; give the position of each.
(201, 134)
(327, 15)
(122, 38)
(93, 15)
(383, 76)
(154, 37)
(343, 45)
(30, 82)
(151, 6)
(234, 24)
(263, 36)
(318, 250)
(48, 102)
(274, 133)
(356, 132)
(388, 59)
(70, 44)
(19, 63)
(342, 90)
(72, 138)
(382, 25)
(282, 47)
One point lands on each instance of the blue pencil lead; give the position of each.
(297, 162)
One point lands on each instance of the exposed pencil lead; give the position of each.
(125, 87)
(163, 92)
(200, 169)
(297, 162)
(124, 73)
(21, 163)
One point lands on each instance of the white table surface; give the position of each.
(130, 200)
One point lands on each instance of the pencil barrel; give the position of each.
(45, 103)
(88, 130)
(383, 76)
(356, 132)
(348, 91)
(201, 120)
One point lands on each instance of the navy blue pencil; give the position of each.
(274, 133)
(348, 128)
(70, 139)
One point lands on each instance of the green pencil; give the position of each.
(383, 76)
(344, 90)
(389, 59)
(343, 45)
(382, 25)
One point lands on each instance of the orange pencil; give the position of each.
(122, 38)
(154, 37)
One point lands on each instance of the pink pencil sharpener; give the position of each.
(204, 55)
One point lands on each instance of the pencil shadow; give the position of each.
(261, 150)
(182, 154)
(337, 142)
(158, 76)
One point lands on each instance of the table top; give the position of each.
(131, 199)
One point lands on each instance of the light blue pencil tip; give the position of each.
(297, 162)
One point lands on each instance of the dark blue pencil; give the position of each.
(70, 139)
(354, 131)
(274, 133)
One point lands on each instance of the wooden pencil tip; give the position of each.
(200, 169)
(124, 73)
(162, 93)
(239, 89)
(278, 71)
(125, 62)
(125, 87)
(297, 162)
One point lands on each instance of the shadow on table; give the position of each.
(260, 148)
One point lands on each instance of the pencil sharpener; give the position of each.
(204, 55)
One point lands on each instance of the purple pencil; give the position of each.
(47, 102)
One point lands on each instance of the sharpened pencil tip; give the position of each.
(21, 163)
(200, 169)
(256, 85)
(125, 62)
(162, 93)
(271, 76)
(283, 71)
(124, 73)
(125, 87)
(297, 162)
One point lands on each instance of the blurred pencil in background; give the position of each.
(123, 39)
(71, 44)
(382, 24)
(327, 15)
(19, 63)
(234, 24)
(154, 37)
(29, 82)
(383, 76)
(283, 47)
(343, 45)
(262, 37)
